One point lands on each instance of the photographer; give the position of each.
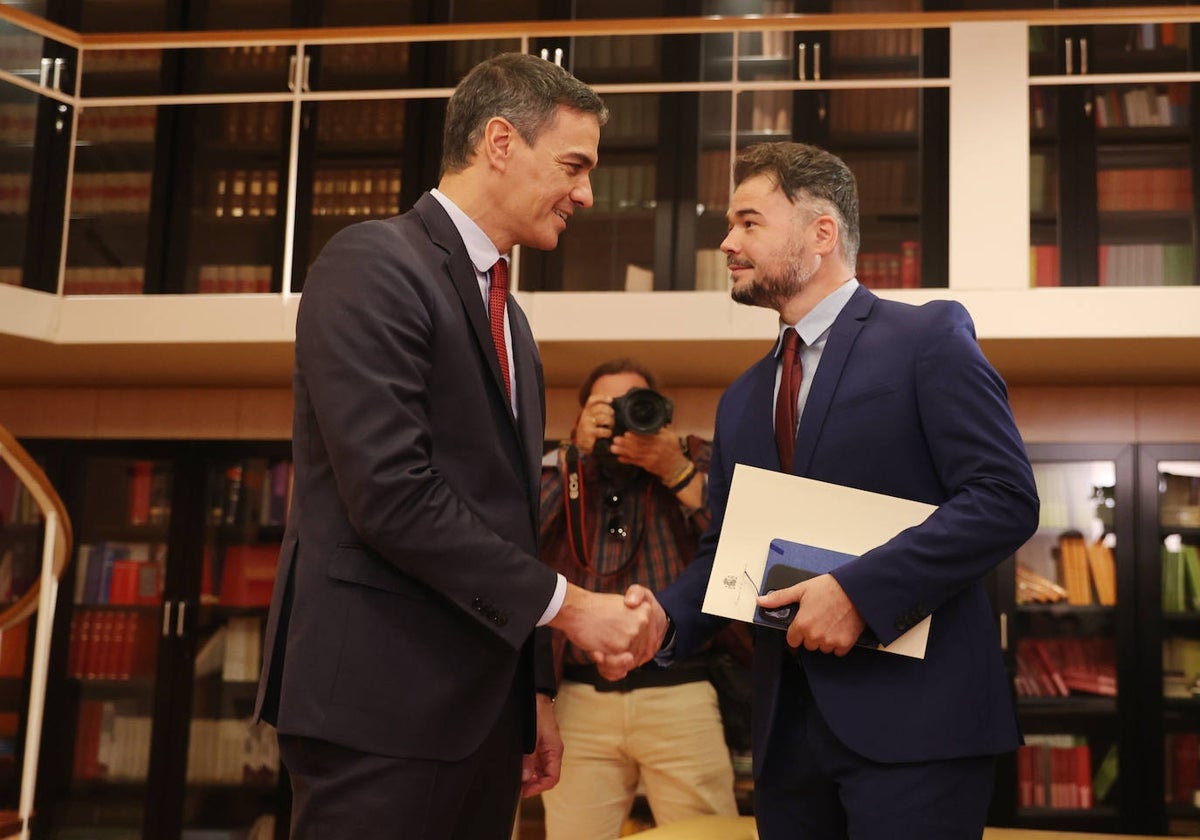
(636, 518)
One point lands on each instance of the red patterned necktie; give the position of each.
(497, 301)
(785, 402)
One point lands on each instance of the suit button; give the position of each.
(477, 604)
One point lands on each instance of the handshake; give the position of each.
(620, 632)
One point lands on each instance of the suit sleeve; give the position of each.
(990, 507)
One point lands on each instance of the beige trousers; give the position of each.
(666, 740)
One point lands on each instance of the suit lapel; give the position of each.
(842, 334)
(531, 406)
(461, 275)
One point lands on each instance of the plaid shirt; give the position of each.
(662, 534)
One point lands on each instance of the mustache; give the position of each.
(732, 263)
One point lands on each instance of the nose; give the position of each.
(729, 243)
(582, 194)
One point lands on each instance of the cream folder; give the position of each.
(764, 505)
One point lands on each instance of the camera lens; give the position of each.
(642, 410)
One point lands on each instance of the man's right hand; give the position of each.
(621, 631)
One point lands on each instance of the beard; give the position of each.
(772, 289)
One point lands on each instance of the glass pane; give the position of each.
(1043, 189)
(234, 197)
(118, 574)
(1144, 185)
(1066, 641)
(1179, 550)
(611, 245)
(233, 764)
(110, 201)
(358, 165)
(1138, 48)
(18, 123)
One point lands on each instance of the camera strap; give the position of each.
(573, 501)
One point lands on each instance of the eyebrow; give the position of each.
(579, 158)
(741, 214)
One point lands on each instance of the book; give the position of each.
(789, 563)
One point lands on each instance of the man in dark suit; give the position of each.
(409, 628)
(895, 399)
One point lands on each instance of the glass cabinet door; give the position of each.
(232, 778)
(18, 127)
(1170, 545)
(1065, 633)
(1114, 158)
(116, 620)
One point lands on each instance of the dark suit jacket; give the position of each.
(409, 584)
(903, 402)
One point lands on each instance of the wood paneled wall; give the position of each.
(1045, 414)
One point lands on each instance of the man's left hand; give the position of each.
(826, 620)
(540, 770)
(659, 453)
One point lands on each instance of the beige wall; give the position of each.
(1126, 414)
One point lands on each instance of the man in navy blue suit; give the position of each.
(895, 399)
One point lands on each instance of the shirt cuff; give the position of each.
(556, 602)
(666, 654)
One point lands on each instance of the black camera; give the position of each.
(641, 410)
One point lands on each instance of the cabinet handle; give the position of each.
(801, 70)
(1083, 68)
(1070, 50)
(304, 73)
(545, 54)
(179, 619)
(817, 62)
(45, 74)
(558, 56)
(59, 63)
(166, 628)
(292, 72)
(1004, 631)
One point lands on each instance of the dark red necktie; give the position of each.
(785, 402)
(497, 301)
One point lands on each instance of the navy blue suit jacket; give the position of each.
(903, 402)
(409, 582)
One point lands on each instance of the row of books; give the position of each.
(254, 124)
(388, 59)
(111, 742)
(238, 193)
(104, 280)
(112, 644)
(233, 651)
(891, 270)
(17, 506)
(241, 575)
(149, 493)
(1066, 666)
(367, 119)
(1086, 570)
(255, 59)
(632, 116)
(14, 643)
(871, 111)
(1142, 106)
(616, 54)
(20, 52)
(18, 123)
(119, 573)
(14, 193)
(110, 192)
(231, 751)
(885, 43)
(254, 491)
(234, 279)
(623, 188)
(1055, 771)
(1142, 189)
(888, 185)
(1043, 183)
(122, 61)
(768, 111)
(1182, 778)
(356, 192)
(1151, 264)
(1181, 667)
(1180, 577)
(20, 566)
(122, 124)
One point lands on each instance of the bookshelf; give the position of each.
(1169, 487)
(1066, 602)
(1116, 158)
(160, 625)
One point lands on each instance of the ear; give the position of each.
(498, 139)
(825, 234)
